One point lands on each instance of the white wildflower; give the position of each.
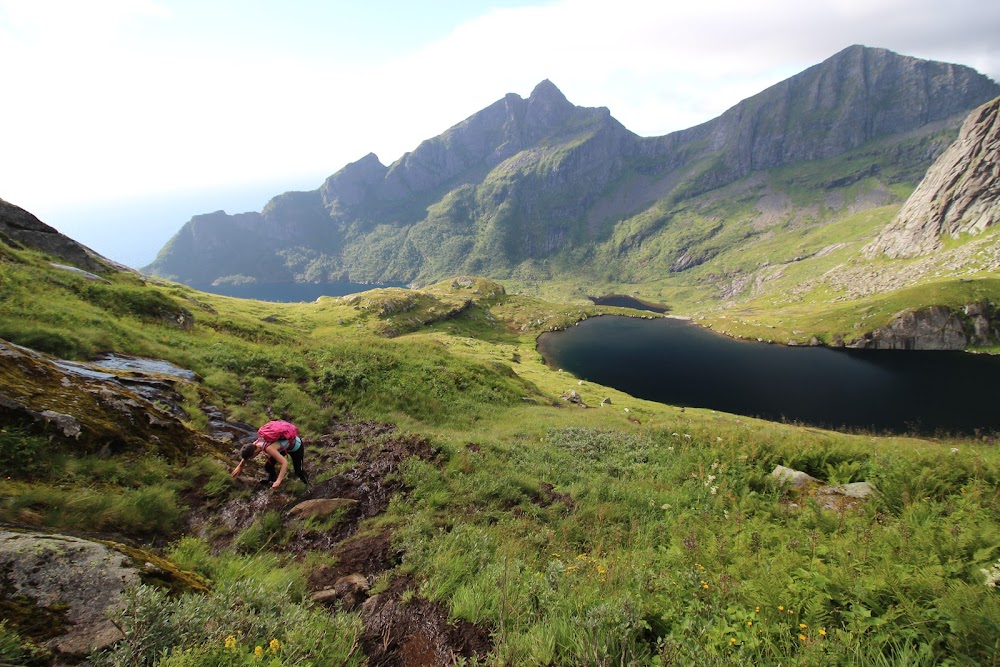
(714, 490)
(992, 575)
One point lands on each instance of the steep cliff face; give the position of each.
(854, 97)
(936, 328)
(959, 195)
(526, 180)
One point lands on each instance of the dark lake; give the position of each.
(290, 292)
(624, 301)
(678, 363)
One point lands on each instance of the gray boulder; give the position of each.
(793, 478)
(72, 582)
(843, 496)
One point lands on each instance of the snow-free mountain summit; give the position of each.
(541, 188)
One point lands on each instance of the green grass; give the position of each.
(576, 537)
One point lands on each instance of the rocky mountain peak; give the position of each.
(547, 108)
(959, 195)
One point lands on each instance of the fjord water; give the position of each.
(678, 363)
(289, 292)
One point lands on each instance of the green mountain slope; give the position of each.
(472, 513)
(537, 189)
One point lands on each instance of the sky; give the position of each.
(121, 119)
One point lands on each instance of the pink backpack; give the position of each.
(278, 430)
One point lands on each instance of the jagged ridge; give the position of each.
(526, 180)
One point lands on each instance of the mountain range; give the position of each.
(539, 189)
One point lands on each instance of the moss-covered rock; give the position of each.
(92, 409)
(57, 589)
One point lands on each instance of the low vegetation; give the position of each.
(630, 534)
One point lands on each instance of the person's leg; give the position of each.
(297, 460)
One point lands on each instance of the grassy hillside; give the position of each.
(629, 534)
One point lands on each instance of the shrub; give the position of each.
(49, 340)
(263, 531)
(16, 651)
(227, 625)
(25, 456)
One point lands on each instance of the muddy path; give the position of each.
(360, 464)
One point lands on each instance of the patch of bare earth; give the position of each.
(417, 633)
(369, 455)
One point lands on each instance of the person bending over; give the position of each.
(279, 441)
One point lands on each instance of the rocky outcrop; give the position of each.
(97, 409)
(64, 587)
(959, 195)
(21, 229)
(935, 328)
(838, 497)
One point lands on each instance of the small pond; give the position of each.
(679, 363)
(290, 292)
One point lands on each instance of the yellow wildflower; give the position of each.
(258, 651)
(705, 586)
(230, 642)
(822, 632)
(732, 640)
(274, 646)
(802, 626)
(749, 624)
(802, 637)
(757, 610)
(781, 608)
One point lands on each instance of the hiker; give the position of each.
(278, 440)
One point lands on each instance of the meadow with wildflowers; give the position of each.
(628, 533)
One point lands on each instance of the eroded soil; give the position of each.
(359, 461)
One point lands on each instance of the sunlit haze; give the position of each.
(123, 118)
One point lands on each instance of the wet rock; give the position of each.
(793, 478)
(87, 275)
(92, 407)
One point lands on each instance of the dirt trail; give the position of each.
(368, 455)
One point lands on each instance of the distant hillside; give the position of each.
(537, 188)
